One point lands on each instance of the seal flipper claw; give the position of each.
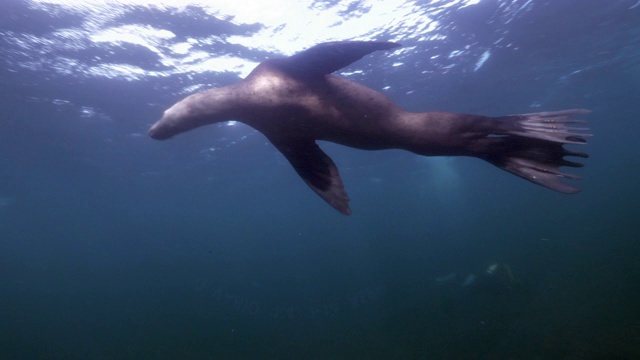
(325, 58)
(317, 170)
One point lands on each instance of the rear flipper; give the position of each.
(531, 146)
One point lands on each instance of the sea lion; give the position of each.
(294, 101)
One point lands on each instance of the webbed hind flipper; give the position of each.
(531, 146)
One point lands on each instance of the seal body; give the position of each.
(295, 101)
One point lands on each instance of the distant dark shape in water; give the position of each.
(294, 101)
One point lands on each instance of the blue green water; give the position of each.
(209, 246)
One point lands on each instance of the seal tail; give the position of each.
(532, 146)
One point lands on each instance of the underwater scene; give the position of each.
(226, 233)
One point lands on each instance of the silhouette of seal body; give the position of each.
(294, 101)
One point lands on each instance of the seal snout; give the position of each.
(155, 132)
(165, 128)
(173, 121)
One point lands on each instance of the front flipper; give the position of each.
(328, 57)
(317, 170)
